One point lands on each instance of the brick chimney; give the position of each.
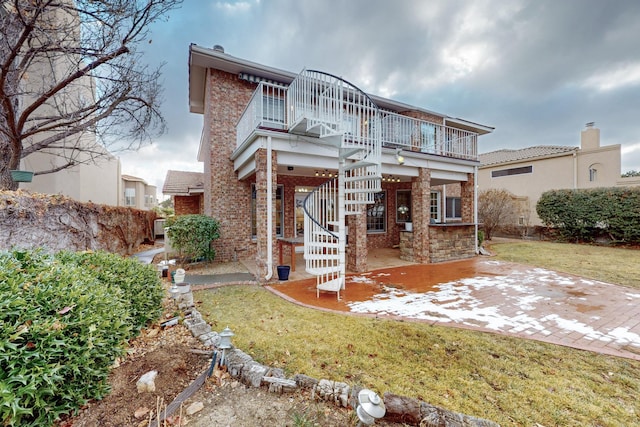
(590, 137)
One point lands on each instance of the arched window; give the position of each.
(593, 172)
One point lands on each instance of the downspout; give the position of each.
(475, 205)
(269, 214)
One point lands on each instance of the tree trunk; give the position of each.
(8, 161)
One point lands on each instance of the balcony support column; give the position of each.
(421, 215)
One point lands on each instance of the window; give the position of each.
(279, 220)
(148, 200)
(403, 206)
(512, 171)
(435, 206)
(454, 207)
(593, 174)
(376, 214)
(129, 196)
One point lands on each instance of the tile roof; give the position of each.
(183, 183)
(529, 153)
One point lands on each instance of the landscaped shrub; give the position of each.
(62, 325)
(583, 215)
(192, 235)
(139, 283)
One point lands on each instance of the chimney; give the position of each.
(590, 137)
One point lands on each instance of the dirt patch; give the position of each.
(166, 351)
(225, 401)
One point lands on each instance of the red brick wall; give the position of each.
(226, 199)
(187, 205)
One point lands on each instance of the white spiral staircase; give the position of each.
(344, 117)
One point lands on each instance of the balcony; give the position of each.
(267, 111)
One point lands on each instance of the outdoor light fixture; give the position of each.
(399, 157)
(174, 292)
(225, 342)
(370, 407)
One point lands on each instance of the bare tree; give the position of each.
(72, 82)
(496, 207)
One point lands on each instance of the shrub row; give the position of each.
(64, 319)
(584, 215)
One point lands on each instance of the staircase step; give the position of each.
(359, 191)
(322, 257)
(333, 285)
(358, 164)
(324, 234)
(323, 245)
(319, 271)
(361, 178)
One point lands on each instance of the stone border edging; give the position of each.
(398, 408)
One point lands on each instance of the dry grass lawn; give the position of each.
(513, 382)
(608, 264)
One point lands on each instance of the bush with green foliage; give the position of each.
(583, 215)
(192, 235)
(63, 321)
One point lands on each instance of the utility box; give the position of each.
(158, 227)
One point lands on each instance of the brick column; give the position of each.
(467, 199)
(421, 215)
(357, 250)
(262, 213)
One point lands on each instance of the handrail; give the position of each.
(271, 108)
(265, 109)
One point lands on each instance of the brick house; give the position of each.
(187, 191)
(379, 173)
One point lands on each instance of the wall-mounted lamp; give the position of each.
(370, 407)
(399, 157)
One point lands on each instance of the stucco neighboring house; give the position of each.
(98, 182)
(529, 172)
(137, 194)
(187, 191)
(373, 169)
(95, 174)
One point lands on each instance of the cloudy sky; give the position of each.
(536, 70)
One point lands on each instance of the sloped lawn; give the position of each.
(513, 382)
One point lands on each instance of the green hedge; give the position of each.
(192, 235)
(63, 321)
(584, 215)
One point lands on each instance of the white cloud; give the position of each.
(233, 7)
(615, 78)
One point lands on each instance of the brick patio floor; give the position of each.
(493, 296)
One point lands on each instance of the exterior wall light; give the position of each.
(370, 407)
(399, 157)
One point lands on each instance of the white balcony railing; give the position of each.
(267, 110)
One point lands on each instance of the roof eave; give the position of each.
(202, 58)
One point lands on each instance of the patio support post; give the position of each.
(421, 209)
(357, 251)
(262, 212)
